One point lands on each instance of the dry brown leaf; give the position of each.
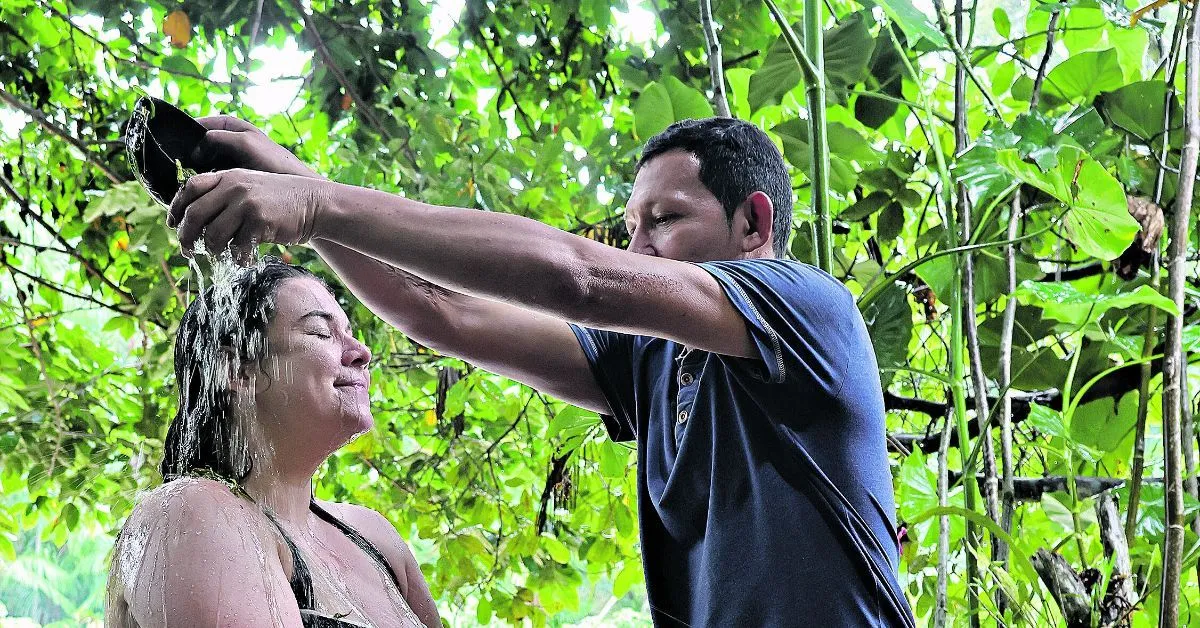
(178, 28)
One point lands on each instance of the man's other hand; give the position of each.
(235, 143)
(240, 209)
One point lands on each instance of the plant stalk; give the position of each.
(715, 69)
(1173, 365)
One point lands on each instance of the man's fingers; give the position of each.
(221, 229)
(199, 212)
(196, 186)
(226, 123)
(220, 147)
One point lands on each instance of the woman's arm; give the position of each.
(194, 554)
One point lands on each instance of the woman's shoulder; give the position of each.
(193, 496)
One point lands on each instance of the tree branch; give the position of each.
(364, 107)
(53, 128)
(715, 67)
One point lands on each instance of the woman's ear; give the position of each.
(754, 222)
(237, 370)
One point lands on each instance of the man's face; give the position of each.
(671, 214)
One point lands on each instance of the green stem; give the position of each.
(811, 59)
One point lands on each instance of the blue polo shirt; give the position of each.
(764, 494)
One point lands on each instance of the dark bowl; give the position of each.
(158, 135)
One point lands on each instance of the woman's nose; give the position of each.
(356, 353)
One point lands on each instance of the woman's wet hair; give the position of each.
(204, 437)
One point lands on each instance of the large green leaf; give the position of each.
(1137, 108)
(664, 102)
(1063, 301)
(915, 23)
(847, 48)
(1083, 76)
(1097, 220)
(889, 320)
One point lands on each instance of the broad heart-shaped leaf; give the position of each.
(913, 21)
(1062, 301)
(847, 46)
(889, 320)
(662, 103)
(1137, 109)
(1098, 220)
(1085, 75)
(797, 150)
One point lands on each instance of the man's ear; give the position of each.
(754, 221)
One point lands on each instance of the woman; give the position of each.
(271, 382)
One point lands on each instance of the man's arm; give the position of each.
(512, 259)
(532, 348)
(502, 257)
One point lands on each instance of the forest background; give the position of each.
(996, 181)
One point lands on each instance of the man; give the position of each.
(748, 381)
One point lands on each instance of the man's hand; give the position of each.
(241, 209)
(234, 143)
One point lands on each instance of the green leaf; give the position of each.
(1081, 77)
(1062, 301)
(570, 421)
(120, 199)
(7, 551)
(1098, 220)
(889, 321)
(847, 49)
(1001, 22)
(556, 549)
(614, 459)
(662, 103)
(915, 23)
(630, 574)
(1137, 109)
(866, 206)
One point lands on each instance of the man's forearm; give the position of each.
(414, 306)
(492, 255)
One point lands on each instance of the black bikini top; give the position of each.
(301, 580)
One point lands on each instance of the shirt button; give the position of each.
(686, 379)
(683, 416)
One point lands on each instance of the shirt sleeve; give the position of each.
(804, 323)
(610, 357)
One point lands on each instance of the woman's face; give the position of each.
(317, 389)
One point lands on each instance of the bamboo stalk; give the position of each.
(811, 59)
(1173, 366)
(815, 101)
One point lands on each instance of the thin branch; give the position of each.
(713, 44)
(961, 56)
(68, 249)
(363, 106)
(1038, 80)
(53, 128)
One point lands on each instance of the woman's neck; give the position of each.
(287, 492)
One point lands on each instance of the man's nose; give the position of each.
(639, 243)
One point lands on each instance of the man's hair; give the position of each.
(736, 160)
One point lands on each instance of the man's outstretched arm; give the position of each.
(501, 257)
(534, 349)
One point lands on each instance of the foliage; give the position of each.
(518, 507)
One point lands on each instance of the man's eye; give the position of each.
(665, 218)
